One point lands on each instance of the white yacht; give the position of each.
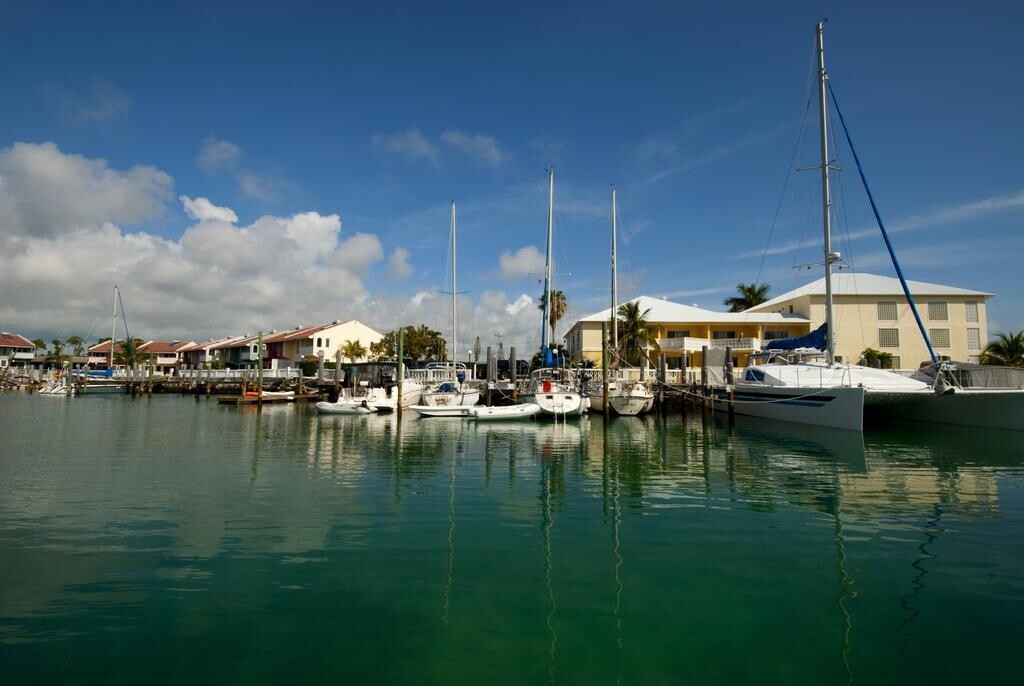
(555, 389)
(448, 385)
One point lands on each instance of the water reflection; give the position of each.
(856, 542)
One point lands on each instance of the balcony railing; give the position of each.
(691, 344)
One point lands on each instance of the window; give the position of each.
(327, 343)
(938, 311)
(719, 335)
(678, 334)
(940, 337)
(887, 311)
(974, 339)
(974, 359)
(888, 338)
(773, 334)
(896, 362)
(255, 349)
(971, 311)
(319, 342)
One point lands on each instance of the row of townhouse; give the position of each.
(281, 349)
(15, 350)
(870, 311)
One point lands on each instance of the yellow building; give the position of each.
(682, 331)
(872, 312)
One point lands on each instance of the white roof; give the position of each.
(662, 310)
(850, 283)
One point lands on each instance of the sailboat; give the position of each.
(624, 397)
(452, 391)
(555, 389)
(790, 382)
(103, 381)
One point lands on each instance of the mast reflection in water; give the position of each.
(169, 539)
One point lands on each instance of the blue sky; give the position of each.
(237, 166)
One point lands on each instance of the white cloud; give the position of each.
(398, 264)
(527, 260)
(417, 300)
(216, 154)
(481, 147)
(201, 209)
(102, 102)
(410, 144)
(521, 303)
(46, 192)
(219, 278)
(61, 219)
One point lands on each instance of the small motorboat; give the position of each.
(519, 411)
(442, 410)
(345, 406)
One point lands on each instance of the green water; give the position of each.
(169, 540)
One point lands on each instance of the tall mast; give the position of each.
(826, 198)
(547, 261)
(615, 278)
(113, 329)
(455, 291)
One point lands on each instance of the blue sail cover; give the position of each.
(815, 339)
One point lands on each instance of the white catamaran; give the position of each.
(791, 385)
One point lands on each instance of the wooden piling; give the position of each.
(604, 369)
(492, 376)
(512, 373)
(401, 369)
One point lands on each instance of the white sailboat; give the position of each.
(787, 385)
(452, 391)
(101, 382)
(554, 389)
(624, 397)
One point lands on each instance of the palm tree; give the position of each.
(77, 345)
(57, 351)
(634, 336)
(749, 295)
(127, 352)
(1007, 349)
(353, 350)
(557, 309)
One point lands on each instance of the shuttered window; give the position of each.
(940, 337)
(938, 311)
(974, 339)
(887, 312)
(888, 338)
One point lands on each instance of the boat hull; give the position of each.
(840, 407)
(984, 408)
(444, 398)
(520, 411)
(558, 403)
(347, 407)
(457, 411)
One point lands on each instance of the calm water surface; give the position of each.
(167, 540)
